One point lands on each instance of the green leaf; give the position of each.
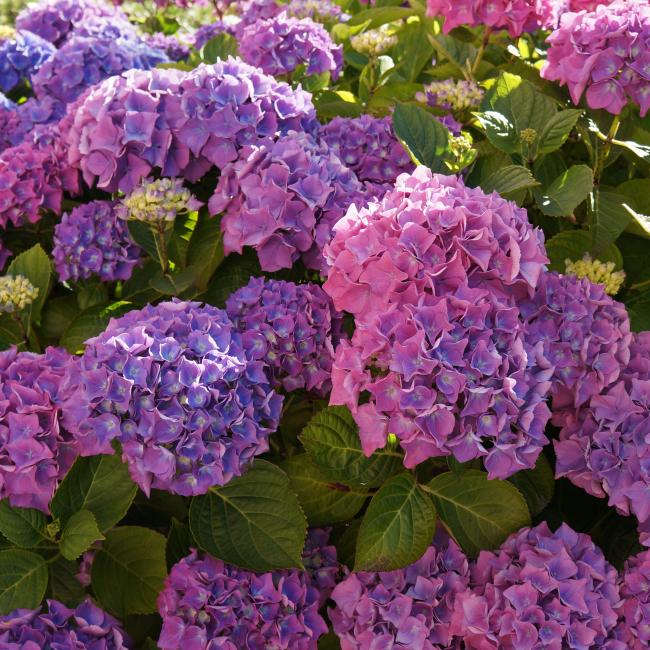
(479, 513)
(397, 528)
(129, 571)
(323, 501)
(461, 54)
(254, 521)
(609, 218)
(537, 485)
(143, 236)
(63, 585)
(35, 265)
(424, 137)
(500, 131)
(414, 50)
(509, 179)
(637, 191)
(24, 527)
(78, 534)
(556, 131)
(572, 245)
(89, 323)
(179, 541)
(219, 47)
(100, 484)
(23, 580)
(234, 273)
(638, 307)
(566, 192)
(332, 441)
(205, 251)
(173, 284)
(57, 315)
(380, 16)
(333, 103)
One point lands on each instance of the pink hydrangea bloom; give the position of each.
(633, 629)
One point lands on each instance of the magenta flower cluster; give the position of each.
(604, 54)
(603, 447)
(283, 198)
(85, 61)
(174, 384)
(579, 337)
(92, 240)
(406, 608)
(207, 603)
(633, 630)
(182, 123)
(293, 328)
(282, 44)
(21, 57)
(36, 451)
(56, 20)
(433, 274)
(539, 590)
(368, 146)
(62, 628)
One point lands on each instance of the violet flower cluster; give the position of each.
(283, 198)
(406, 608)
(539, 590)
(55, 20)
(633, 629)
(180, 122)
(281, 44)
(579, 339)
(36, 451)
(92, 240)
(60, 627)
(207, 603)
(85, 61)
(206, 33)
(176, 387)
(368, 146)
(603, 447)
(21, 57)
(170, 44)
(603, 54)
(291, 327)
(28, 121)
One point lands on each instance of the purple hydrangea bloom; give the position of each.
(603, 447)
(207, 603)
(175, 385)
(180, 122)
(251, 12)
(406, 608)
(605, 54)
(291, 327)
(106, 27)
(59, 627)
(5, 103)
(283, 198)
(633, 629)
(21, 57)
(174, 49)
(92, 240)
(368, 146)
(36, 451)
(280, 45)
(579, 338)
(539, 590)
(55, 20)
(206, 33)
(5, 254)
(85, 61)
(321, 563)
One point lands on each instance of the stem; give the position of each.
(24, 331)
(603, 155)
(481, 51)
(161, 246)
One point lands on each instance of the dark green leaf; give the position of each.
(556, 131)
(205, 251)
(23, 580)
(100, 484)
(64, 585)
(254, 521)
(479, 513)
(34, 265)
(537, 485)
(129, 570)
(397, 528)
(380, 16)
(58, 313)
(173, 284)
(179, 541)
(460, 53)
(234, 273)
(323, 501)
(500, 131)
(509, 179)
(24, 527)
(79, 534)
(572, 245)
(566, 192)
(332, 441)
(143, 236)
(609, 218)
(89, 323)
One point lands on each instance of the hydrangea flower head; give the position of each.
(539, 590)
(603, 54)
(206, 33)
(251, 12)
(322, 11)
(208, 602)
(598, 272)
(281, 44)
(292, 327)
(175, 385)
(283, 198)
(375, 42)
(453, 95)
(92, 240)
(170, 44)
(579, 338)
(57, 626)
(21, 57)
(16, 293)
(36, 451)
(634, 627)
(158, 201)
(55, 20)
(5, 103)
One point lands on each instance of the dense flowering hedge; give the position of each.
(324, 324)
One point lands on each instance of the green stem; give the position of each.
(480, 53)
(603, 154)
(161, 246)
